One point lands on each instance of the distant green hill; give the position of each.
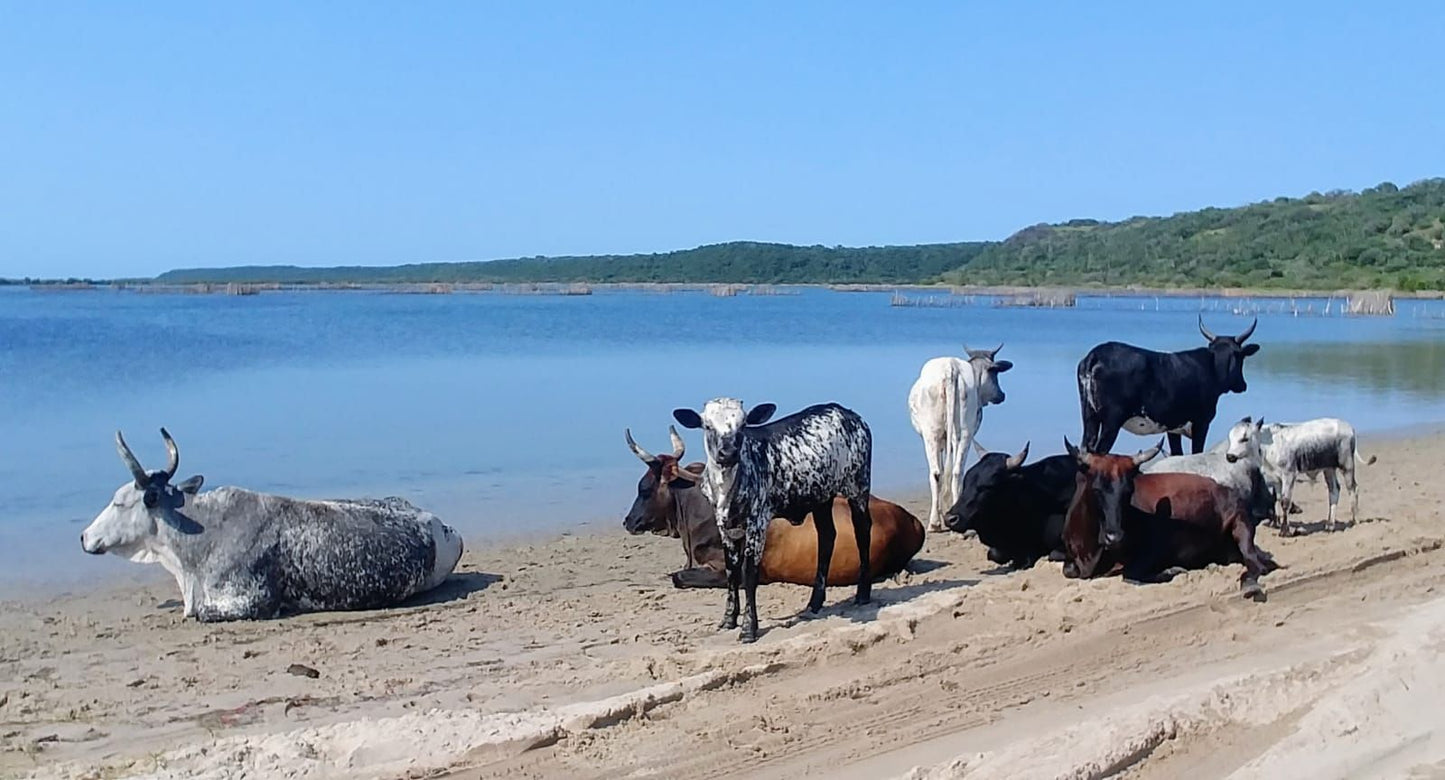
(1382, 237)
(741, 261)
(1386, 236)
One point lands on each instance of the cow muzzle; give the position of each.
(97, 550)
(1111, 540)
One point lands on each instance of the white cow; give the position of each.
(946, 408)
(1289, 451)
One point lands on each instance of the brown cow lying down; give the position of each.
(672, 505)
(1156, 525)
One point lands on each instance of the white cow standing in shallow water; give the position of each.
(946, 408)
(239, 555)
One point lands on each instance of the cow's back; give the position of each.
(811, 454)
(354, 554)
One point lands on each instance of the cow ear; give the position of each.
(191, 486)
(761, 413)
(1002, 366)
(687, 418)
(1250, 349)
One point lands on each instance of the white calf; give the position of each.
(1291, 450)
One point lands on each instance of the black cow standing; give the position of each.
(1147, 393)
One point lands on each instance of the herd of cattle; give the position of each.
(767, 503)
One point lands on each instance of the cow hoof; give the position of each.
(860, 600)
(1252, 591)
(728, 624)
(747, 637)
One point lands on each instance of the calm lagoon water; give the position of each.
(504, 414)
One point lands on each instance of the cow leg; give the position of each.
(1198, 434)
(1176, 444)
(699, 577)
(1285, 494)
(1091, 432)
(995, 555)
(1254, 564)
(827, 534)
(750, 585)
(735, 573)
(1354, 488)
(863, 532)
(1332, 483)
(1108, 434)
(935, 486)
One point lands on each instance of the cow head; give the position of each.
(1110, 480)
(132, 519)
(1243, 441)
(1229, 353)
(986, 370)
(722, 421)
(653, 509)
(980, 483)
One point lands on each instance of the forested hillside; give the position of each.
(741, 261)
(1386, 236)
(1382, 237)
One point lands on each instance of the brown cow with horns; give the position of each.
(669, 503)
(1156, 525)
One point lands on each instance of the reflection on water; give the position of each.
(1416, 368)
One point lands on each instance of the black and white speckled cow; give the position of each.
(240, 555)
(787, 468)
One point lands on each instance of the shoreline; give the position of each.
(123, 574)
(585, 288)
(574, 656)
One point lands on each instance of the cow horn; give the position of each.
(643, 455)
(995, 350)
(678, 445)
(1072, 450)
(979, 448)
(1205, 330)
(1247, 331)
(128, 457)
(688, 475)
(1014, 461)
(1145, 456)
(173, 454)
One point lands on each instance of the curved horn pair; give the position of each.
(678, 446)
(1240, 339)
(982, 353)
(173, 458)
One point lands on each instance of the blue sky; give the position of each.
(140, 137)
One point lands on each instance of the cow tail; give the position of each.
(1370, 461)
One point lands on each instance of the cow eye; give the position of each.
(151, 498)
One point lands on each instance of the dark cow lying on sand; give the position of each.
(1156, 525)
(670, 503)
(1017, 510)
(241, 555)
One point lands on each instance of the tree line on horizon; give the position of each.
(1382, 237)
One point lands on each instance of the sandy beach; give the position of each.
(575, 657)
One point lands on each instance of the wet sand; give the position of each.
(575, 657)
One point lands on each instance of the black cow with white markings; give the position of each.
(1146, 393)
(790, 467)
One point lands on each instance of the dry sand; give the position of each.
(576, 658)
